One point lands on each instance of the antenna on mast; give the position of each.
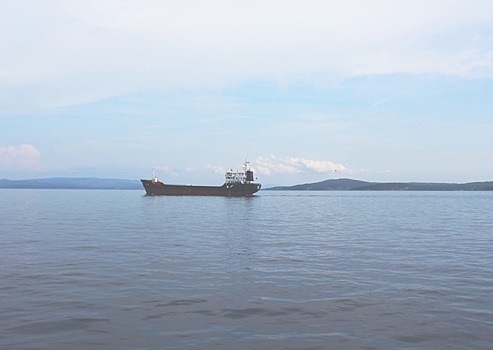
(246, 164)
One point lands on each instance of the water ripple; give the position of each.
(337, 270)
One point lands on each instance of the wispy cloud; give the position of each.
(217, 169)
(381, 102)
(167, 171)
(78, 52)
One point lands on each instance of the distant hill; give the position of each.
(327, 185)
(89, 183)
(356, 185)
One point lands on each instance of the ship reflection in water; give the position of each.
(237, 184)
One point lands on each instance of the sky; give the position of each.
(305, 90)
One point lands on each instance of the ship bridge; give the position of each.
(244, 177)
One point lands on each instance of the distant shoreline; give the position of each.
(357, 185)
(92, 183)
(64, 183)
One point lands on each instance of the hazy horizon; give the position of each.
(107, 181)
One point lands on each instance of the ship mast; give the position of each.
(154, 178)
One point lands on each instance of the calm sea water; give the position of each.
(283, 270)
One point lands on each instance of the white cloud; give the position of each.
(23, 157)
(217, 169)
(165, 170)
(75, 52)
(271, 165)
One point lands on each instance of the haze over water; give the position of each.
(282, 270)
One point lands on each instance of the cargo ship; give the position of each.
(237, 184)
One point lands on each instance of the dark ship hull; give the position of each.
(157, 188)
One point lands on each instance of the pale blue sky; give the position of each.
(306, 90)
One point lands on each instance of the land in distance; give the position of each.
(327, 185)
(89, 183)
(357, 185)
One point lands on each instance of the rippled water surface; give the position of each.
(282, 270)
